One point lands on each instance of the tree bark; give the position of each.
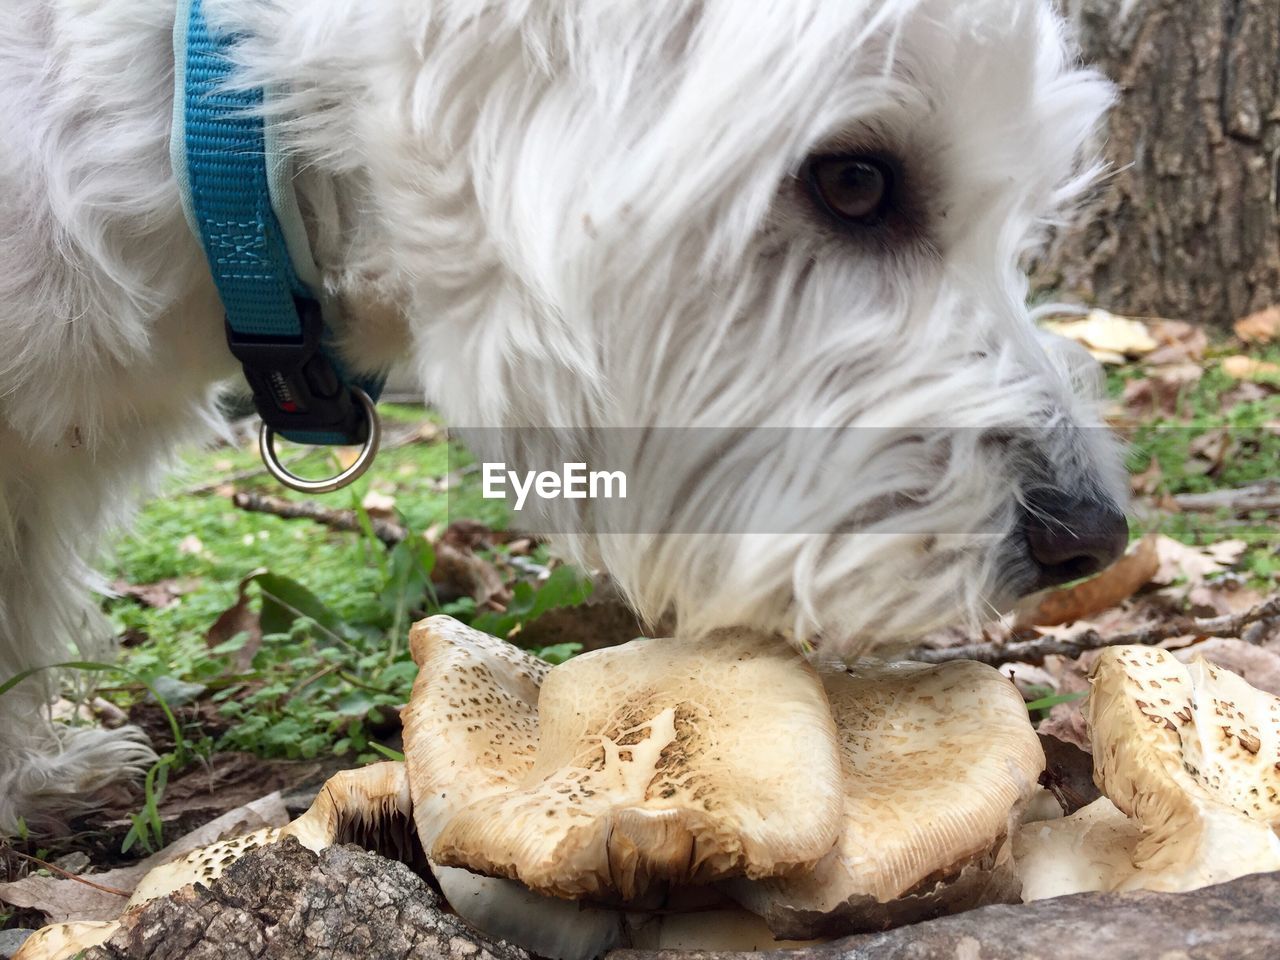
(284, 902)
(1187, 226)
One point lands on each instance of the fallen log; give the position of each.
(285, 903)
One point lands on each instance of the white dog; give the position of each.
(634, 213)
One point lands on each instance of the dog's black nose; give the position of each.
(1072, 537)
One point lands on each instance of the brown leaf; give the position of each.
(1180, 342)
(461, 573)
(1066, 723)
(1177, 560)
(1260, 327)
(226, 781)
(1243, 392)
(240, 617)
(1112, 586)
(379, 506)
(1212, 449)
(63, 900)
(1221, 597)
(1259, 667)
(161, 594)
(1148, 481)
(1068, 766)
(1160, 392)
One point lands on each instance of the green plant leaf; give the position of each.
(1046, 703)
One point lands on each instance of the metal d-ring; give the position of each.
(266, 444)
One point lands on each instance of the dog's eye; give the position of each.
(855, 189)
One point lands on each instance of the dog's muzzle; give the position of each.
(1068, 537)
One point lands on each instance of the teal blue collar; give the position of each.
(237, 192)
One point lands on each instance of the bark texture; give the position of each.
(286, 903)
(1188, 224)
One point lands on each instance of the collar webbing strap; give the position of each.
(238, 197)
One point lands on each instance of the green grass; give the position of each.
(1202, 408)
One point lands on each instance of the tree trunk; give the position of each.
(1188, 224)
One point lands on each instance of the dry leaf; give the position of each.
(240, 617)
(1160, 392)
(1179, 561)
(1212, 449)
(63, 900)
(1260, 327)
(379, 506)
(1111, 339)
(1180, 342)
(1112, 586)
(1240, 367)
(1260, 668)
(161, 594)
(1246, 391)
(1066, 723)
(1221, 597)
(1148, 481)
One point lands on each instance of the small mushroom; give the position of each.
(623, 770)
(1090, 850)
(937, 762)
(63, 941)
(368, 806)
(1187, 758)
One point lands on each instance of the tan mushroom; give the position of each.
(1188, 755)
(658, 762)
(937, 762)
(62, 941)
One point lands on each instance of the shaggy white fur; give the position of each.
(570, 213)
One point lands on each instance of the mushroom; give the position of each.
(62, 941)
(1090, 850)
(622, 770)
(1186, 756)
(822, 803)
(369, 806)
(937, 762)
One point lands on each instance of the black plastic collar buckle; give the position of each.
(294, 383)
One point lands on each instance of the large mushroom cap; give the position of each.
(661, 761)
(936, 759)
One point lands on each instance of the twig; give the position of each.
(388, 531)
(1035, 651)
(70, 876)
(1256, 497)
